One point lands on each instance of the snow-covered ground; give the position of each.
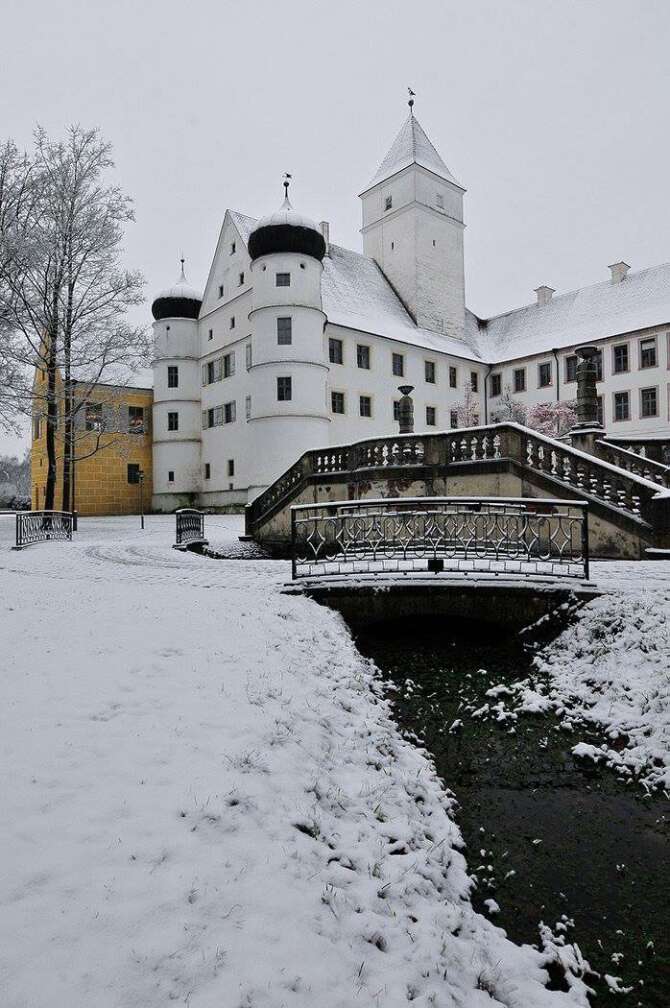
(611, 669)
(206, 803)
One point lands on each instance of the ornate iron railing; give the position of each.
(190, 528)
(517, 536)
(42, 526)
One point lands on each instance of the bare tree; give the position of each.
(66, 303)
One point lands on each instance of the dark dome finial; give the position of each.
(286, 230)
(178, 301)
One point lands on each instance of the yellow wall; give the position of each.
(101, 481)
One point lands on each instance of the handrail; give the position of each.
(589, 476)
(43, 526)
(637, 464)
(190, 528)
(515, 536)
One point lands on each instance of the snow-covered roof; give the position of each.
(356, 294)
(411, 146)
(286, 215)
(180, 289)
(639, 301)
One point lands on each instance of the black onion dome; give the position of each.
(286, 230)
(178, 301)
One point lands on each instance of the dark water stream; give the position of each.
(549, 839)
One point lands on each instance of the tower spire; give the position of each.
(286, 183)
(182, 275)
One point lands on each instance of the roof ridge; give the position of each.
(576, 290)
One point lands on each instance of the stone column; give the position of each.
(588, 429)
(406, 409)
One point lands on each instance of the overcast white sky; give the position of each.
(552, 113)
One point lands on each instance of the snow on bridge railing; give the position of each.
(405, 535)
(43, 526)
(190, 528)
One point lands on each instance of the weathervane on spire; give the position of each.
(286, 183)
(412, 96)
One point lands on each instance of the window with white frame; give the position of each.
(335, 351)
(229, 412)
(229, 364)
(520, 379)
(363, 356)
(648, 402)
(620, 358)
(648, 352)
(398, 365)
(496, 384)
(284, 389)
(453, 377)
(571, 363)
(429, 370)
(365, 406)
(431, 416)
(284, 330)
(337, 402)
(173, 376)
(544, 374)
(622, 406)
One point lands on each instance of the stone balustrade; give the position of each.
(634, 463)
(623, 487)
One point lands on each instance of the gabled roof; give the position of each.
(411, 146)
(640, 301)
(356, 294)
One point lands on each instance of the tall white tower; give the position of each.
(176, 410)
(413, 228)
(289, 369)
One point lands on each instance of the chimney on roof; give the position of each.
(544, 295)
(618, 272)
(325, 231)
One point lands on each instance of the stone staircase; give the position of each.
(629, 496)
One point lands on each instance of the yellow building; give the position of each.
(112, 445)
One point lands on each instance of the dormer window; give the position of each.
(388, 202)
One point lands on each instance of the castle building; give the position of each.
(297, 343)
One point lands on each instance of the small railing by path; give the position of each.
(190, 528)
(43, 526)
(493, 535)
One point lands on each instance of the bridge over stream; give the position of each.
(502, 561)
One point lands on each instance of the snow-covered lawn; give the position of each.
(611, 669)
(206, 803)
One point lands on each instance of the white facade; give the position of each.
(361, 325)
